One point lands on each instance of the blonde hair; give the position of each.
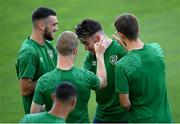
(66, 43)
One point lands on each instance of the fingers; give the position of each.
(96, 45)
(118, 39)
(99, 48)
(99, 44)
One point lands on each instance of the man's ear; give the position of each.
(122, 35)
(122, 39)
(53, 96)
(75, 51)
(73, 102)
(98, 37)
(41, 25)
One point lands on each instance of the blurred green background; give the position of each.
(159, 22)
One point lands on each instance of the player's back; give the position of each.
(83, 80)
(148, 93)
(43, 117)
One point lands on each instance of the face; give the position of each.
(50, 27)
(89, 44)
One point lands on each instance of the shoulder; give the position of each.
(154, 45)
(118, 49)
(44, 80)
(129, 58)
(156, 49)
(27, 48)
(129, 62)
(27, 44)
(48, 76)
(84, 74)
(31, 118)
(88, 77)
(116, 45)
(28, 118)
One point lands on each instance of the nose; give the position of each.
(56, 28)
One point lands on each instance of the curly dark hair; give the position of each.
(87, 28)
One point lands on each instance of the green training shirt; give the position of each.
(83, 80)
(43, 117)
(141, 74)
(33, 61)
(108, 106)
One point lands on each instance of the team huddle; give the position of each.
(127, 75)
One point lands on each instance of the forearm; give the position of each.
(36, 108)
(127, 107)
(125, 102)
(101, 71)
(27, 86)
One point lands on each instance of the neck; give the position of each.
(37, 37)
(65, 62)
(107, 42)
(59, 111)
(134, 45)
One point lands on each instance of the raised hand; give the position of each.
(99, 48)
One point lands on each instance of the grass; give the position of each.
(159, 22)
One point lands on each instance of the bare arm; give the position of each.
(36, 108)
(101, 70)
(125, 102)
(27, 86)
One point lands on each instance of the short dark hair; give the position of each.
(65, 91)
(87, 28)
(42, 13)
(128, 25)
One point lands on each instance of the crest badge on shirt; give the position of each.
(113, 59)
(41, 59)
(50, 53)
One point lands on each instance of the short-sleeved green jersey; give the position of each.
(43, 117)
(33, 61)
(108, 106)
(83, 80)
(141, 74)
